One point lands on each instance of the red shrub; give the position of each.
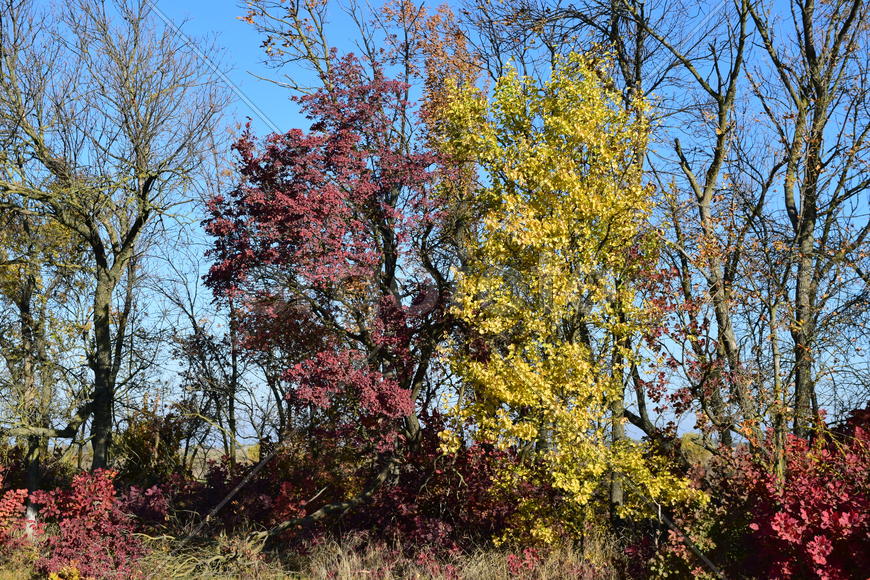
(11, 510)
(444, 502)
(149, 506)
(95, 535)
(814, 524)
(819, 519)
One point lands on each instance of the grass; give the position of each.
(353, 557)
(356, 558)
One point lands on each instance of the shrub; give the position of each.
(54, 471)
(11, 509)
(819, 518)
(321, 470)
(95, 537)
(444, 501)
(814, 524)
(149, 506)
(149, 446)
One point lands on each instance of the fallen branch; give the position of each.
(268, 537)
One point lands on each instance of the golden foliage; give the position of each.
(546, 289)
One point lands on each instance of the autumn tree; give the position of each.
(327, 248)
(547, 295)
(822, 126)
(105, 117)
(757, 147)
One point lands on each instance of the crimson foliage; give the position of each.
(11, 510)
(443, 502)
(819, 519)
(329, 244)
(94, 536)
(814, 524)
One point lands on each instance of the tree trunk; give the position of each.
(803, 330)
(36, 446)
(802, 335)
(101, 365)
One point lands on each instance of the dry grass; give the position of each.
(16, 573)
(354, 558)
(227, 557)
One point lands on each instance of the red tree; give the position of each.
(333, 244)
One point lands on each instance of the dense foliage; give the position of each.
(555, 325)
(547, 293)
(323, 245)
(95, 535)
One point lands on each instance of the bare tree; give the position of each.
(107, 116)
(749, 99)
(814, 94)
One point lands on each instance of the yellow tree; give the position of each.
(546, 291)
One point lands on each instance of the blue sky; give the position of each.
(241, 56)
